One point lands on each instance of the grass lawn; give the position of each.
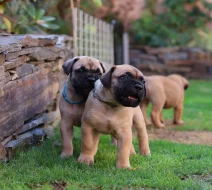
(197, 113)
(171, 166)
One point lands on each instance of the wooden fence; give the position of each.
(93, 37)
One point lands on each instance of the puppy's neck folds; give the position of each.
(104, 95)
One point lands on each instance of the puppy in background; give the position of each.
(82, 72)
(113, 108)
(164, 93)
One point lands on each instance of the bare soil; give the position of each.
(188, 137)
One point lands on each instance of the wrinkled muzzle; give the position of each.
(130, 93)
(84, 84)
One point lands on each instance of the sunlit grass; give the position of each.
(171, 166)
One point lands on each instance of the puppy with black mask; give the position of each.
(113, 108)
(82, 73)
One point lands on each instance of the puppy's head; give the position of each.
(83, 71)
(126, 84)
(180, 80)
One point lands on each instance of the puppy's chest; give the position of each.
(111, 122)
(74, 113)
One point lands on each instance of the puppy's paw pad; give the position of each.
(86, 160)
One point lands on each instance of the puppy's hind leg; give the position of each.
(155, 115)
(178, 114)
(132, 150)
(113, 141)
(144, 104)
(161, 117)
(66, 130)
(90, 140)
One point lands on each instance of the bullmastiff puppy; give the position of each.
(82, 72)
(113, 108)
(164, 93)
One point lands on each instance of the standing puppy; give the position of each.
(82, 73)
(112, 108)
(164, 93)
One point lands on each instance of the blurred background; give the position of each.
(154, 22)
(182, 28)
(138, 25)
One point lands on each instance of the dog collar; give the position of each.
(67, 99)
(98, 98)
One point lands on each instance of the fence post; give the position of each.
(112, 43)
(125, 39)
(74, 19)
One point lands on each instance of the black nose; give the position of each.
(138, 87)
(91, 79)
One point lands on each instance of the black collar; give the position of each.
(98, 98)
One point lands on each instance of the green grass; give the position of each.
(171, 166)
(197, 114)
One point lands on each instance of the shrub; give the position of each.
(178, 24)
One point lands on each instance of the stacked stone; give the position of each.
(30, 82)
(191, 62)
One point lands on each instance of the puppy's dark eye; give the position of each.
(81, 69)
(124, 77)
(142, 79)
(99, 74)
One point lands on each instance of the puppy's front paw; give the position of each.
(148, 123)
(66, 154)
(160, 125)
(118, 165)
(132, 151)
(86, 160)
(145, 152)
(180, 122)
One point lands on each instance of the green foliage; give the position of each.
(202, 39)
(27, 18)
(174, 26)
(98, 3)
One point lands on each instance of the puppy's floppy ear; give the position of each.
(68, 65)
(106, 78)
(103, 67)
(144, 89)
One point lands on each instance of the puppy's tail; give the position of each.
(185, 83)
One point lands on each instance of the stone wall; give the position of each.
(189, 62)
(30, 83)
